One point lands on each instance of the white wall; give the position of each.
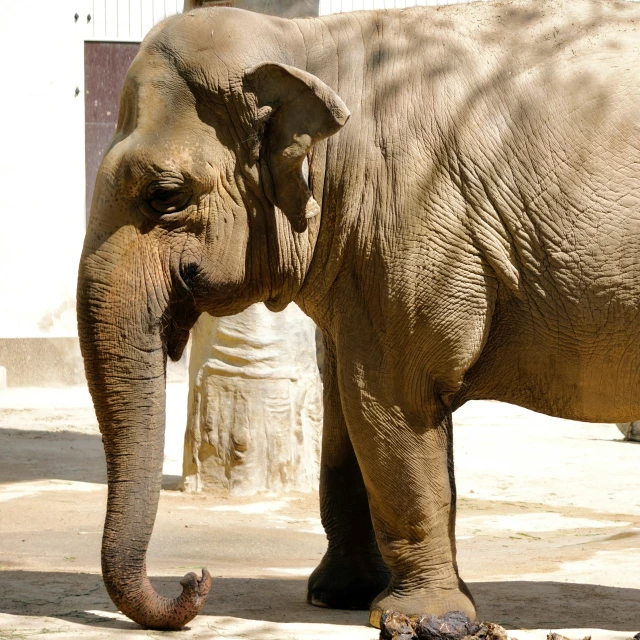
(41, 166)
(42, 176)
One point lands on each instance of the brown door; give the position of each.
(105, 65)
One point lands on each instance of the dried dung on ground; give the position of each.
(452, 626)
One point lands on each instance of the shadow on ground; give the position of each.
(80, 598)
(557, 605)
(29, 455)
(57, 455)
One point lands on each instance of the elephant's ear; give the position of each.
(300, 111)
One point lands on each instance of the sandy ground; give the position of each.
(548, 531)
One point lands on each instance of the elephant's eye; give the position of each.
(167, 196)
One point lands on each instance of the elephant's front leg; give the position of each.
(406, 458)
(352, 572)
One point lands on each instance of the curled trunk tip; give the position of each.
(152, 611)
(191, 600)
(196, 588)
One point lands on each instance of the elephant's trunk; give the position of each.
(134, 464)
(124, 347)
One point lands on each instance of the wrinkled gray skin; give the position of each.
(476, 235)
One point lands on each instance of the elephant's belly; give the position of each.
(595, 378)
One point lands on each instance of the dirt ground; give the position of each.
(548, 531)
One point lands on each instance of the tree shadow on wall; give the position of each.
(81, 598)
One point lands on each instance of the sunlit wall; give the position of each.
(42, 176)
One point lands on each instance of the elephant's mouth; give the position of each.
(182, 317)
(179, 320)
(183, 312)
(176, 339)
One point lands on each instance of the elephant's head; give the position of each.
(200, 205)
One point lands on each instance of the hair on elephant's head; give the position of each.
(201, 204)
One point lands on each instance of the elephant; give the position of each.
(451, 193)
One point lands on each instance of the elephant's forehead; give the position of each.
(157, 101)
(152, 79)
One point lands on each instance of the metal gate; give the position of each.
(126, 20)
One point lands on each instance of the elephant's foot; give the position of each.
(347, 584)
(419, 603)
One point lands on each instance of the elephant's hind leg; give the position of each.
(352, 572)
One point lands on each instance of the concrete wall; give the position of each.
(41, 166)
(42, 175)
